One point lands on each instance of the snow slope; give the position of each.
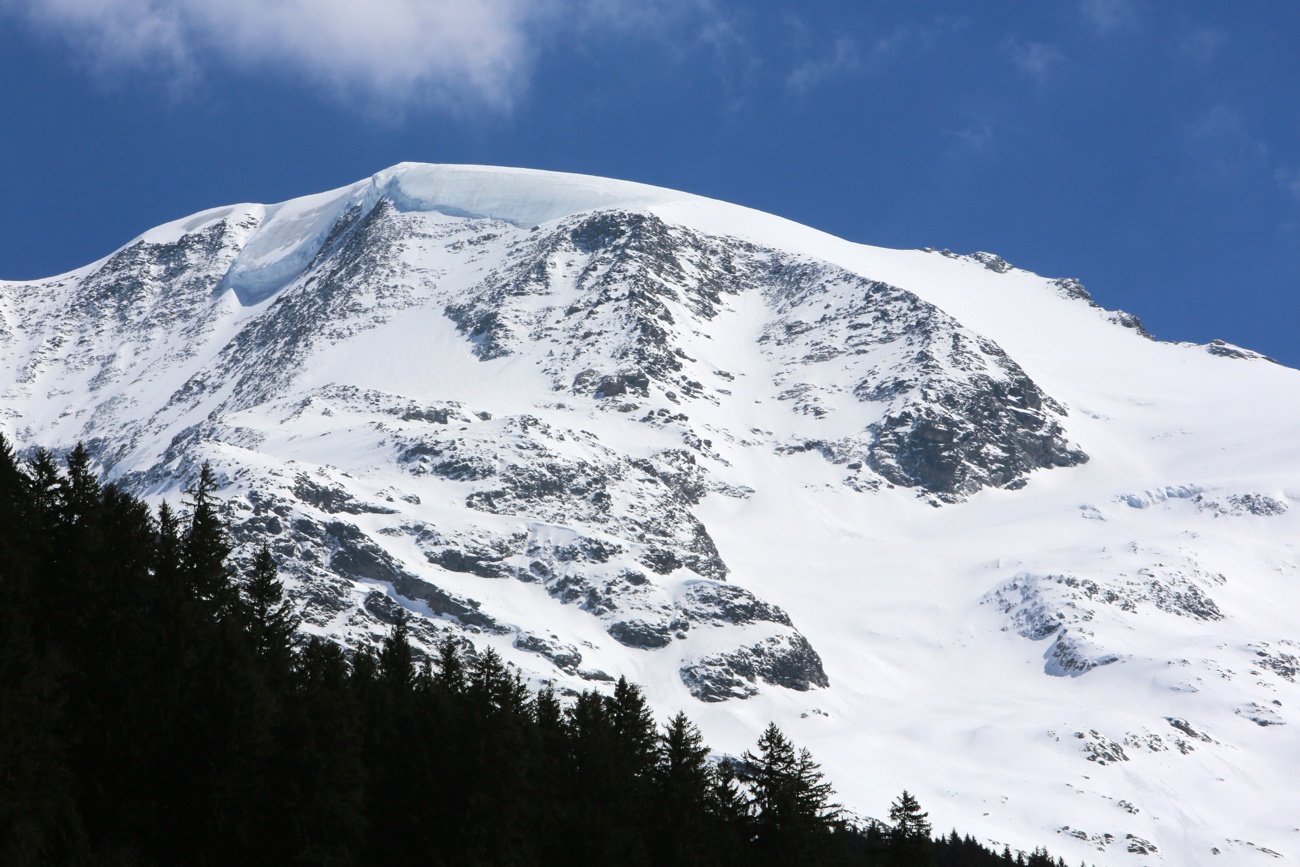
(949, 524)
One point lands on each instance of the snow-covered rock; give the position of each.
(609, 429)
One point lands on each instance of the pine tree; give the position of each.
(727, 798)
(493, 688)
(547, 712)
(791, 799)
(682, 766)
(907, 817)
(449, 680)
(396, 660)
(271, 622)
(910, 837)
(682, 783)
(79, 492)
(633, 728)
(169, 550)
(45, 482)
(206, 546)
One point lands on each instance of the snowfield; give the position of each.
(948, 523)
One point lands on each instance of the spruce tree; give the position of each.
(633, 728)
(907, 817)
(791, 800)
(79, 490)
(206, 546)
(449, 680)
(910, 837)
(396, 660)
(682, 782)
(493, 688)
(271, 622)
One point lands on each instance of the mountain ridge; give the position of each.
(740, 461)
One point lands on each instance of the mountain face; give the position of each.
(948, 523)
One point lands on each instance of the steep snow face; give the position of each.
(946, 522)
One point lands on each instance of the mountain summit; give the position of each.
(949, 523)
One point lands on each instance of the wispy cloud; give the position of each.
(844, 58)
(848, 56)
(457, 52)
(1035, 59)
(1203, 43)
(1288, 180)
(978, 137)
(736, 60)
(1108, 16)
(1223, 147)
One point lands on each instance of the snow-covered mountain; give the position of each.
(948, 523)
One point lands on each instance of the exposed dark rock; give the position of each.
(1070, 656)
(641, 634)
(1101, 749)
(678, 469)
(960, 414)
(661, 560)
(383, 607)
(714, 680)
(1072, 288)
(442, 458)
(708, 602)
(615, 385)
(444, 604)
(457, 560)
(994, 263)
(1138, 846)
(1186, 728)
(334, 499)
(786, 660)
(1260, 505)
(555, 482)
(1284, 665)
(436, 415)
(490, 336)
(1184, 599)
(1128, 320)
(1223, 349)
(563, 656)
(1260, 715)
(992, 432)
(354, 555)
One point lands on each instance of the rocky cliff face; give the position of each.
(608, 430)
(613, 308)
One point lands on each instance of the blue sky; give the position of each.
(1151, 149)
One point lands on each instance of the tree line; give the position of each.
(157, 708)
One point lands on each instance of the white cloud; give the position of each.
(1035, 59)
(844, 59)
(978, 137)
(467, 52)
(1110, 15)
